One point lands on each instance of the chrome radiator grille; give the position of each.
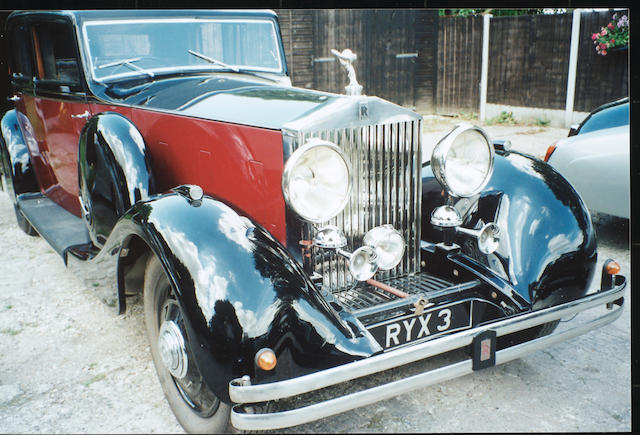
(386, 164)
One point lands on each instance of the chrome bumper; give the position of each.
(243, 393)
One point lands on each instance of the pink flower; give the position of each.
(602, 46)
(610, 26)
(604, 32)
(594, 36)
(604, 52)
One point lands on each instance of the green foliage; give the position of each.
(542, 122)
(498, 12)
(503, 118)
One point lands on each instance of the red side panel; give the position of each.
(238, 164)
(56, 133)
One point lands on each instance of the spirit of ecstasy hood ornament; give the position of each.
(346, 58)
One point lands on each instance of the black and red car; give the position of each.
(285, 240)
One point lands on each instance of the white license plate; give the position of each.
(418, 327)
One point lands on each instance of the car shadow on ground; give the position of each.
(611, 231)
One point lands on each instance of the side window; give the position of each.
(22, 60)
(56, 54)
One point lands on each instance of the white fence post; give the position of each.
(485, 66)
(573, 66)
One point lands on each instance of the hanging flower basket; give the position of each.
(614, 36)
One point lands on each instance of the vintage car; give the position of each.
(285, 240)
(598, 149)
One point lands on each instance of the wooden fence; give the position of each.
(433, 64)
(396, 51)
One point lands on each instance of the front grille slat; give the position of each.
(386, 188)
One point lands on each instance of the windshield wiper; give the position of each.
(129, 63)
(213, 61)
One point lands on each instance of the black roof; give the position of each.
(106, 14)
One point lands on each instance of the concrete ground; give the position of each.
(69, 365)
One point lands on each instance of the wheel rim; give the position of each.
(177, 357)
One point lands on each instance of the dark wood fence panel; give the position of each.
(296, 27)
(600, 79)
(529, 60)
(459, 64)
(425, 82)
(395, 49)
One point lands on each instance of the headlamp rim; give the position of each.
(292, 162)
(440, 151)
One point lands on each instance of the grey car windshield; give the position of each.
(123, 48)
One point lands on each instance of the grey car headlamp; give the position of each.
(316, 182)
(462, 161)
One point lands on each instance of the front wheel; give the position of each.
(194, 404)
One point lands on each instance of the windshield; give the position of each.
(154, 46)
(607, 118)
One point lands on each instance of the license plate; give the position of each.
(418, 327)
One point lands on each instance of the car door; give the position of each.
(60, 107)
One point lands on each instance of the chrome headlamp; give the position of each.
(316, 182)
(462, 161)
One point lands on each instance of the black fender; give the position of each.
(114, 172)
(547, 249)
(240, 291)
(17, 171)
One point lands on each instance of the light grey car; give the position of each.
(595, 159)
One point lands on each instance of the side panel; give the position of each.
(59, 144)
(547, 245)
(238, 164)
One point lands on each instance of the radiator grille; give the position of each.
(386, 164)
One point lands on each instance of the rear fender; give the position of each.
(114, 172)
(547, 248)
(239, 289)
(17, 171)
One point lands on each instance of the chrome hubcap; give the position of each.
(172, 349)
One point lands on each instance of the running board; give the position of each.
(57, 226)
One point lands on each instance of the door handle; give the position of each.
(84, 115)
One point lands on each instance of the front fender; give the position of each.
(547, 248)
(240, 291)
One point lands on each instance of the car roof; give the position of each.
(106, 14)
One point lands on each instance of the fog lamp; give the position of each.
(266, 359)
(330, 237)
(388, 245)
(362, 263)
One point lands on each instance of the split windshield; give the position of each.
(123, 48)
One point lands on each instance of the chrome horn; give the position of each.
(363, 262)
(488, 237)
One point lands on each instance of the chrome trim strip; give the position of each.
(245, 421)
(335, 375)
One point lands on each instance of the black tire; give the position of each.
(197, 409)
(526, 335)
(23, 223)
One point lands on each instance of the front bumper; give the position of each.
(245, 417)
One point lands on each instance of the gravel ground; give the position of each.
(68, 364)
